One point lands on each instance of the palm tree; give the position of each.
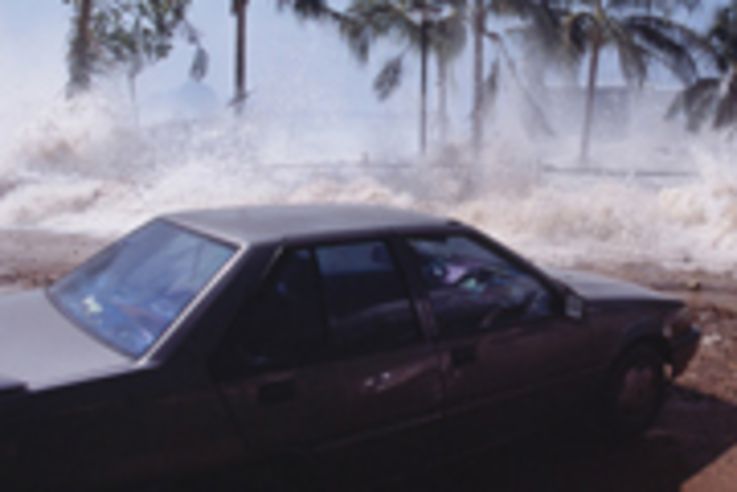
(424, 26)
(127, 33)
(80, 53)
(430, 27)
(638, 38)
(714, 99)
(239, 9)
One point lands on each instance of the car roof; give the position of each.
(253, 224)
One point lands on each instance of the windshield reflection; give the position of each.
(129, 294)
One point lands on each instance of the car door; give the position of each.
(390, 375)
(273, 368)
(510, 356)
(329, 360)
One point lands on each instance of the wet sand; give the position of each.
(692, 448)
(31, 258)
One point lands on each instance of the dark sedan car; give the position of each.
(316, 338)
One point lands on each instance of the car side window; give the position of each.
(366, 298)
(473, 289)
(284, 324)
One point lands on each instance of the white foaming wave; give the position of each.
(84, 166)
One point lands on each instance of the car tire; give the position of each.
(635, 391)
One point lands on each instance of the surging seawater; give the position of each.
(88, 166)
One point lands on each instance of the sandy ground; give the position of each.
(692, 448)
(30, 258)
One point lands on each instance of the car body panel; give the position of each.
(10, 386)
(133, 427)
(92, 415)
(595, 287)
(391, 401)
(683, 347)
(267, 224)
(340, 411)
(42, 348)
(495, 383)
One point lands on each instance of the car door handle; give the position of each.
(463, 356)
(277, 392)
(378, 383)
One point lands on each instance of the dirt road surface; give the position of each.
(692, 448)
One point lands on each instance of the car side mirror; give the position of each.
(574, 306)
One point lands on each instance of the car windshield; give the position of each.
(132, 292)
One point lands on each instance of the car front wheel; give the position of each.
(635, 391)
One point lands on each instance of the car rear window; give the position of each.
(130, 294)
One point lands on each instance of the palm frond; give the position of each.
(723, 35)
(633, 58)
(726, 110)
(200, 64)
(578, 30)
(546, 34)
(363, 22)
(389, 78)
(448, 35)
(305, 9)
(697, 102)
(681, 49)
(385, 17)
(528, 9)
(357, 36)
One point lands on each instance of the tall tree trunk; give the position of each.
(443, 98)
(478, 76)
(423, 84)
(588, 122)
(240, 8)
(133, 93)
(80, 60)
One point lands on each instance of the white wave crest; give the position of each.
(87, 166)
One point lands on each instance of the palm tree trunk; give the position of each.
(80, 76)
(478, 76)
(423, 85)
(588, 122)
(240, 11)
(443, 98)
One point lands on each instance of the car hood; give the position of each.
(10, 386)
(595, 287)
(41, 348)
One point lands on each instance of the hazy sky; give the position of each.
(288, 60)
(293, 66)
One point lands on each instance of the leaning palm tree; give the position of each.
(485, 87)
(713, 100)
(639, 40)
(485, 83)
